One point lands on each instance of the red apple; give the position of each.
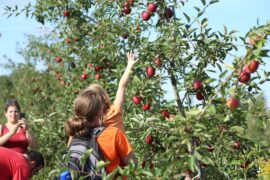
(149, 139)
(152, 7)
(244, 77)
(233, 103)
(168, 13)
(237, 145)
(98, 68)
(143, 164)
(166, 113)
(146, 106)
(253, 66)
(157, 61)
(150, 71)
(126, 10)
(146, 15)
(58, 59)
(199, 96)
(137, 99)
(84, 75)
(66, 13)
(97, 77)
(197, 85)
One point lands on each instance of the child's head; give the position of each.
(88, 109)
(99, 89)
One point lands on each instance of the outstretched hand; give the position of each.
(131, 59)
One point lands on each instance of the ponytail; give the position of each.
(78, 126)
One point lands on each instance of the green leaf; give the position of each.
(197, 155)
(229, 66)
(112, 174)
(212, 110)
(85, 156)
(204, 22)
(209, 80)
(198, 9)
(232, 32)
(225, 30)
(191, 162)
(213, 1)
(102, 164)
(199, 14)
(203, 2)
(187, 17)
(238, 130)
(147, 173)
(222, 75)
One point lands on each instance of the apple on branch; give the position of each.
(150, 71)
(137, 99)
(233, 103)
(146, 15)
(152, 7)
(146, 106)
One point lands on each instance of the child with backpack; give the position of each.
(113, 112)
(112, 142)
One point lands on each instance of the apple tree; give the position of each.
(201, 131)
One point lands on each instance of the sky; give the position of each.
(238, 15)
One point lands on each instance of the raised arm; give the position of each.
(120, 94)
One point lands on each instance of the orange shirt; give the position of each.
(114, 145)
(114, 118)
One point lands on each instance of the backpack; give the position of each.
(78, 147)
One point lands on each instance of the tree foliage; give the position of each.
(203, 137)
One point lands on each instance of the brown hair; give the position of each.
(37, 157)
(12, 102)
(87, 108)
(99, 89)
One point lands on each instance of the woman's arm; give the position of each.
(30, 136)
(5, 137)
(120, 94)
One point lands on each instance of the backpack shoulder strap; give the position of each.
(93, 143)
(97, 131)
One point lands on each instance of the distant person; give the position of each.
(113, 112)
(17, 166)
(113, 143)
(15, 134)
